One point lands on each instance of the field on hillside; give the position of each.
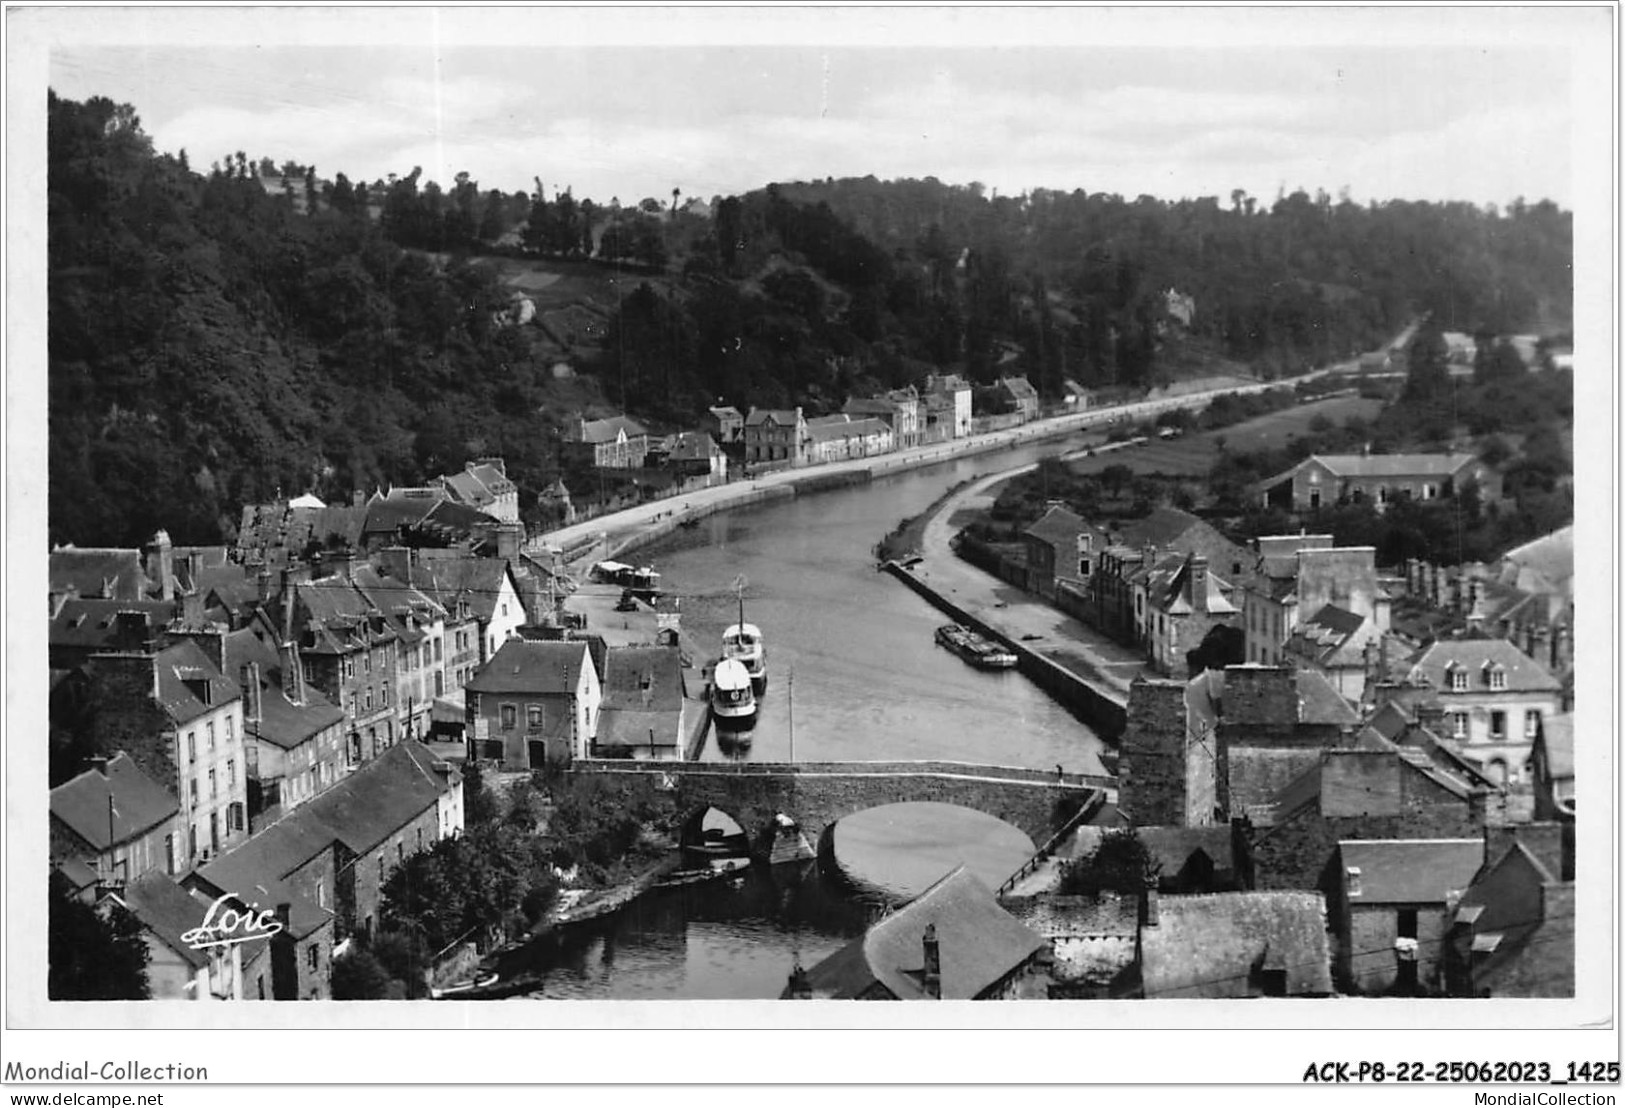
(1194, 454)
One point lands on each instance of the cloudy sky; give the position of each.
(1456, 104)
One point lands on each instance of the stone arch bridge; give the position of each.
(817, 794)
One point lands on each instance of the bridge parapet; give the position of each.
(817, 794)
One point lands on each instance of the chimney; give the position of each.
(161, 565)
(1151, 910)
(396, 562)
(358, 498)
(263, 580)
(1148, 555)
(192, 606)
(249, 679)
(293, 673)
(1199, 582)
(194, 567)
(932, 973)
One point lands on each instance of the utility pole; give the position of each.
(790, 691)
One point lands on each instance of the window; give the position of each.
(420, 839)
(366, 663)
(211, 734)
(169, 854)
(509, 716)
(191, 841)
(400, 849)
(262, 986)
(231, 730)
(191, 746)
(1498, 725)
(1457, 678)
(214, 832)
(1531, 723)
(369, 700)
(193, 790)
(380, 871)
(1314, 498)
(313, 957)
(504, 607)
(533, 715)
(1458, 725)
(1498, 678)
(439, 684)
(231, 773)
(1407, 923)
(1429, 492)
(437, 650)
(213, 787)
(383, 695)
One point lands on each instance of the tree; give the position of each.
(94, 953)
(359, 975)
(1121, 863)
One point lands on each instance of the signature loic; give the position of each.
(226, 926)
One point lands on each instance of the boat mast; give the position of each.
(739, 588)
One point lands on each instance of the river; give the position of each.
(854, 674)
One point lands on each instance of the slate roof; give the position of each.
(831, 428)
(1161, 528)
(451, 581)
(168, 911)
(406, 507)
(1410, 871)
(407, 608)
(782, 416)
(727, 411)
(139, 803)
(282, 722)
(539, 668)
(599, 431)
(1558, 732)
(1546, 562)
(289, 527)
(1497, 908)
(99, 572)
(1523, 674)
(1392, 465)
(978, 941)
(1059, 527)
(871, 406)
(1320, 702)
(189, 685)
(694, 446)
(1210, 946)
(626, 668)
(479, 484)
(94, 624)
(1019, 387)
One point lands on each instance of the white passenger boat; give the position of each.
(743, 643)
(733, 703)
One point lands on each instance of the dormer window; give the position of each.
(1455, 677)
(1496, 675)
(1353, 874)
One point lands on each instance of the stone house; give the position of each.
(836, 438)
(644, 708)
(726, 424)
(775, 435)
(947, 402)
(350, 653)
(1392, 908)
(419, 624)
(294, 737)
(206, 711)
(696, 454)
(485, 486)
(1303, 578)
(106, 573)
(1355, 794)
(1130, 551)
(176, 968)
(1060, 546)
(1167, 771)
(1182, 600)
(1378, 479)
(618, 442)
(1019, 396)
(81, 628)
(1234, 945)
(899, 410)
(334, 854)
(480, 598)
(532, 702)
(1494, 698)
(115, 820)
(952, 942)
(1512, 933)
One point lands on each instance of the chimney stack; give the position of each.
(1199, 582)
(932, 973)
(161, 565)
